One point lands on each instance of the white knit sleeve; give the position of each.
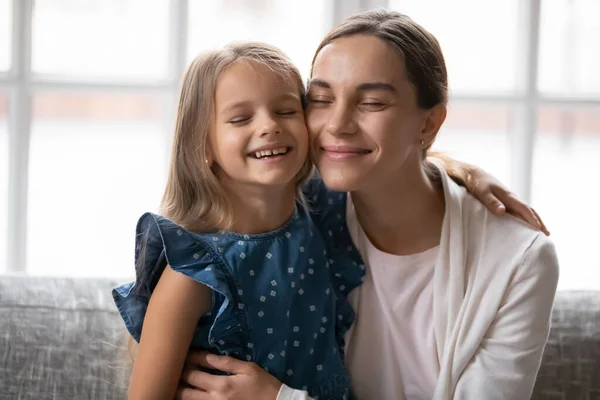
(505, 365)
(287, 393)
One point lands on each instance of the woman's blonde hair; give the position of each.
(194, 198)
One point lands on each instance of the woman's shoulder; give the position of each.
(506, 239)
(507, 228)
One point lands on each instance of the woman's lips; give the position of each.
(338, 153)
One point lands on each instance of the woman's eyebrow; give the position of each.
(318, 82)
(361, 87)
(376, 86)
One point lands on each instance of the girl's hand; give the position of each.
(249, 382)
(499, 199)
(488, 190)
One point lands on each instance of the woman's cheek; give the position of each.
(315, 120)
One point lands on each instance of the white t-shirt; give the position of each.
(493, 287)
(392, 354)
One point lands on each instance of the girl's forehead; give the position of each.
(245, 79)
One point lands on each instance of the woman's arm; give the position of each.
(508, 358)
(175, 308)
(247, 381)
(488, 190)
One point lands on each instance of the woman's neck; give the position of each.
(402, 215)
(259, 209)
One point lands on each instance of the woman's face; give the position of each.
(362, 116)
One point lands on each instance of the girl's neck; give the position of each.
(260, 209)
(402, 215)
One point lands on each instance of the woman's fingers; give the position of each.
(185, 393)
(198, 379)
(220, 363)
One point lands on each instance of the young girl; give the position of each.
(271, 292)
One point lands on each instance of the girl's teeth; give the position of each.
(274, 152)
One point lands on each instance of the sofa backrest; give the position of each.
(62, 338)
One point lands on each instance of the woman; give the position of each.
(457, 301)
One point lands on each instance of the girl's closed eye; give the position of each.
(239, 120)
(286, 112)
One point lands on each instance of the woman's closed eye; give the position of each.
(318, 101)
(372, 105)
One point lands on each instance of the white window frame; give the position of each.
(20, 84)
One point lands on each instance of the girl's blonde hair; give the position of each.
(194, 198)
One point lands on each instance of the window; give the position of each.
(5, 34)
(471, 130)
(104, 79)
(123, 39)
(478, 39)
(97, 162)
(101, 96)
(566, 190)
(294, 26)
(484, 53)
(3, 182)
(569, 50)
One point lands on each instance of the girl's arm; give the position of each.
(488, 190)
(175, 308)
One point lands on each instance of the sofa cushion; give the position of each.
(571, 364)
(60, 339)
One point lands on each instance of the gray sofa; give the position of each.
(63, 339)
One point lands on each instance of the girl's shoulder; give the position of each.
(327, 207)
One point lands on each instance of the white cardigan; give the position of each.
(495, 280)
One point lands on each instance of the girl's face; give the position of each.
(365, 125)
(259, 135)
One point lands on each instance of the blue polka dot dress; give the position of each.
(279, 298)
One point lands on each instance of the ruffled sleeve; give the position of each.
(328, 210)
(160, 242)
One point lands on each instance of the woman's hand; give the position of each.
(249, 382)
(499, 199)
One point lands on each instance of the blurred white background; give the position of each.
(88, 87)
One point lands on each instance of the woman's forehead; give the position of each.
(359, 58)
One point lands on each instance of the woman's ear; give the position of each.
(434, 119)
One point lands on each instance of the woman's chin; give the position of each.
(342, 180)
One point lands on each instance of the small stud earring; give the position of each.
(422, 143)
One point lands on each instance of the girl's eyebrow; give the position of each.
(233, 106)
(241, 104)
